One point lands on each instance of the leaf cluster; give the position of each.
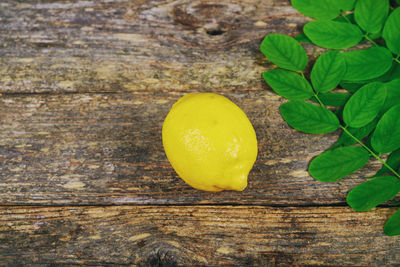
(356, 91)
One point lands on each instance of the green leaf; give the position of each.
(288, 84)
(350, 86)
(303, 38)
(368, 144)
(393, 161)
(392, 226)
(335, 164)
(391, 31)
(374, 36)
(336, 99)
(317, 9)
(338, 112)
(345, 5)
(364, 105)
(370, 194)
(392, 73)
(386, 137)
(309, 118)
(284, 51)
(328, 71)
(346, 18)
(371, 15)
(393, 94)
(332, 34)
(359, 133)
(367, 63)
(394, 204)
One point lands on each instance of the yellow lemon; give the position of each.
(210, 142)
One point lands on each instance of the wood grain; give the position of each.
(107, 149)
(188, 236)
(84, 88)
(119, 45)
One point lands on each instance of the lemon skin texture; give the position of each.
(210, 142)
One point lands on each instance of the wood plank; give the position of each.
(119, 45)
(107, 149)
(193, 235)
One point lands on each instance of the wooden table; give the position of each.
(84, 88)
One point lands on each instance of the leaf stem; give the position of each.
(315, 93)
(365, 35)
(369, 39)
(370, 151)
(346, 18)
(319, 100)
(397, 59)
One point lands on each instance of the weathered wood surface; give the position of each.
(84, 88)
(188, 236)
(107, 149)
(92, 46)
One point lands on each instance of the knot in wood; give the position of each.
(214, 18)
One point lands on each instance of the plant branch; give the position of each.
(346, 18)
(319, 100)
(397, 59)
(370, 151)
(369, 39)
(315, 94)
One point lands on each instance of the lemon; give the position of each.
(210, 142)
